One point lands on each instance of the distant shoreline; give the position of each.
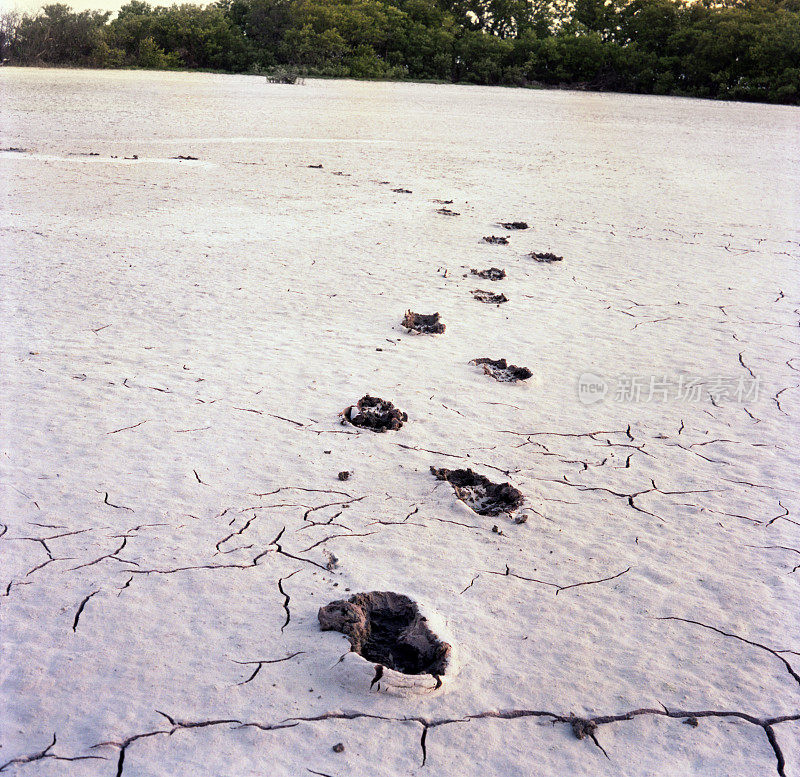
(731, 50)
(535, 86)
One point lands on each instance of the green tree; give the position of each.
(60, 36)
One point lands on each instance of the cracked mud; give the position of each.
(174, 361)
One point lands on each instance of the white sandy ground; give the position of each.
(180, 336)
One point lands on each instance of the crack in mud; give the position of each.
(113, 555)
(576, 724)
(630, 497)
(46, 754)
(80, 609)
(776, 653)
(335, 536)
(286, 599)
(741, 361)
(237, 533)
(260, 663)
(273, 547)
(782, 516)
(118, 507)
(557, 586)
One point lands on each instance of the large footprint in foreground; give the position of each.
(393, 646)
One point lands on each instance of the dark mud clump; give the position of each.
(315, 167)
(500, 370)
(425, 324)
(546, 257)
(488, 297)
(376, 414)
(388, 629)
(495, 240)
(479, 493)
(514, 225)
(447, 212)
(492, 274)
(402, 191)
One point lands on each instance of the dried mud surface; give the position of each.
(180, 335)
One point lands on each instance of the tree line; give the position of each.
(733, 49)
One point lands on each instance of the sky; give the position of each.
(30, 6)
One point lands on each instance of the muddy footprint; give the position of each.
(545, 258)
(422, 323)
(376, 414)
(492, 274)
(388, 631)
(479, 493)
(502, 371)
(488, 297)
